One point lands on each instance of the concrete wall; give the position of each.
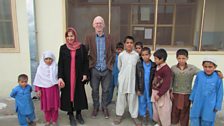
(13, 64)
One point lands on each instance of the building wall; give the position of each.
(13, 64)
(196, 59)
(50, 25)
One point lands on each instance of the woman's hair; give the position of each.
(70, 30)
(161, 54)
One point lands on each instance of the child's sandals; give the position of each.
(117, 120)
(47, 124)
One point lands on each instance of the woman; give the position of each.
(72, 74)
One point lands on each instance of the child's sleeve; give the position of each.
(119, 63)
(172, 79)
(137, 78)
(31, 89)
(13, 93)
(196, 70)
(194, 90)
(167, 77)
(219, 96)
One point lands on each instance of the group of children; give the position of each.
(164, 93)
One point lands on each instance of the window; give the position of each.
(80, 15)
(169, 24)
(8, 27)
(213, 31)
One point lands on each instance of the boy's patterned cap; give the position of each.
(210, 59)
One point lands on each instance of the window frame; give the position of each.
(16, 48)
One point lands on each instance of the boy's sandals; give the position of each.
(117, 120)
(136, 122)
(32, 123)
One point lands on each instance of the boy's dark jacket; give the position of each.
(139, 85)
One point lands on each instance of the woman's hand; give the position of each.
(84, 77)
(61, 83)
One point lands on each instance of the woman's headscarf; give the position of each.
(76, 44)
(46, 75)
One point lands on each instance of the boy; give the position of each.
(115, 71)
(206, 95)
(145, 70)
(160, 89)
(138, 47)
(183, 75)
(24, 103)
(126, 78)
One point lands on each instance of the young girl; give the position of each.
(207, 95)
(46, 86)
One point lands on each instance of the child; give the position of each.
(206, 95)
(115, 71)
(160, 89)
(46, 86)
(183, 75)
(126, 90)
(138, 47)
(145, 70)
(24, 103)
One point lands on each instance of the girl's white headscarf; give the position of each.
(46, 75)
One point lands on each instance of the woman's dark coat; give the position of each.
(80, 99)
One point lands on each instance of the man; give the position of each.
(101, 51)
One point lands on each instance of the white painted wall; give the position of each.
(50, 25)
(13, 64)
(196, 59)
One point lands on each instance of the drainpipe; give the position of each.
(32, 37)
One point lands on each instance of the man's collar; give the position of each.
(97, 35)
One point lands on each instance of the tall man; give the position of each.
(101, 51)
